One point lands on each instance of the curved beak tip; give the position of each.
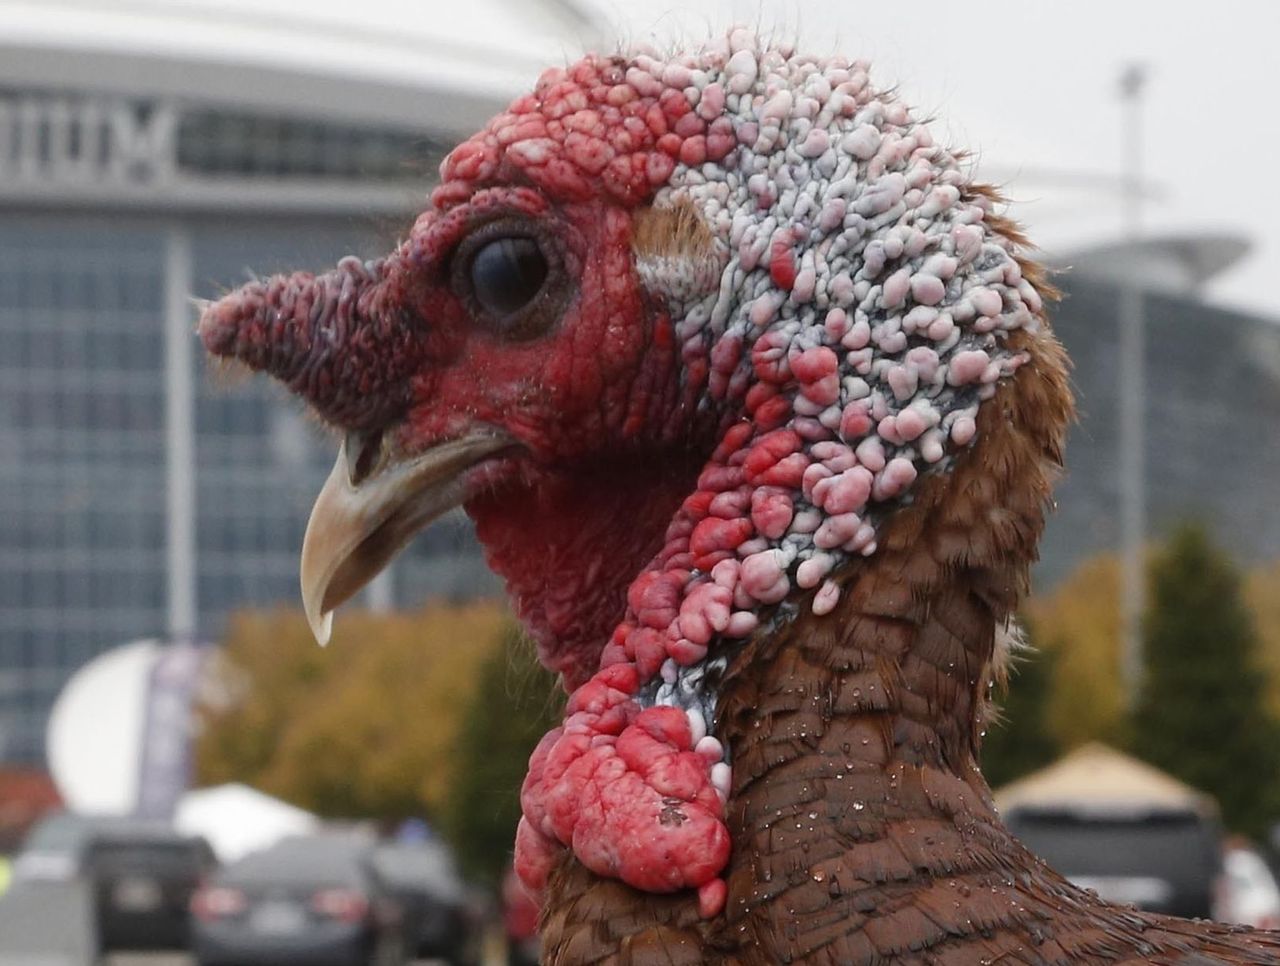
(321, 626)
(355, 530)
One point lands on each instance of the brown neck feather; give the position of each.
(854, 736)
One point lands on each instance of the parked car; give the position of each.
(1160, 859)
(439, 919)
(142, 878)
(313, 899)
(54, 848)
(140, 875)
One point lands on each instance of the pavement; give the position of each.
(51, 924)
(46, 924)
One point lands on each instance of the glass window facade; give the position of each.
(83, 563)
(224, 143)
(82, 481)
(54, 134)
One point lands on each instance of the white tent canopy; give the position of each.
(237, 819)
(1097, 778)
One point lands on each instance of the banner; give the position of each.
(164, 771)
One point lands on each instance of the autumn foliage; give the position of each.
(1019, 740)
(1078, 623)
(1210, 702)
(1200, 712)
(367, 727)
(515, 703)
(1262, 594)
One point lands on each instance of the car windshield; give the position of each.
(155, 856)
(422, 865)
(60, 833)
(319, 860)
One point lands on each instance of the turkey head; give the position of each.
(683, 336)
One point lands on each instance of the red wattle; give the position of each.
(624, 788)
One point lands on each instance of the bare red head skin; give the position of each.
(590, 391)
(604, 418)
(593, 387)
(586, 384)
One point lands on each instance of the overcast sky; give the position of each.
(1032, 85)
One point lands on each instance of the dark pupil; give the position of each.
(507, 273)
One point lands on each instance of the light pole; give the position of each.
(179, 421)
(1132, 392)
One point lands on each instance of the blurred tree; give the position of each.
(1077, 626)
(1262, 591)
(515, 703)
(1019, 741)
(367, 727)
(1201, 712)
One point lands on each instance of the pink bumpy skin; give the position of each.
(610, 778)
(845, 318)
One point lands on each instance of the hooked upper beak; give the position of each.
(344, 341)
(371, 505)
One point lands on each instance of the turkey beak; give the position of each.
(372, 504)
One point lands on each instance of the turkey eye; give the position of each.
(511, 275)
(507, 274)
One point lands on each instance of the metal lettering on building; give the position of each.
(58, 140)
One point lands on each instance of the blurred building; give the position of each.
(150, 151)
(1211, 413)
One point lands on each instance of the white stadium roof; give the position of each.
(371, 60)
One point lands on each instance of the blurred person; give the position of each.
(1247, 891)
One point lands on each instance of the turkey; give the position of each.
(749, 389)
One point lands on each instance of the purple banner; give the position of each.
(164, 771)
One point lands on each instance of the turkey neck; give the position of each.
(862, 826)
(862, 829)
(856, 787)
(566, 559)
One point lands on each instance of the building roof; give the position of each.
(1097, 778)
(1176, 263)
(293, 106)
(372, 60)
